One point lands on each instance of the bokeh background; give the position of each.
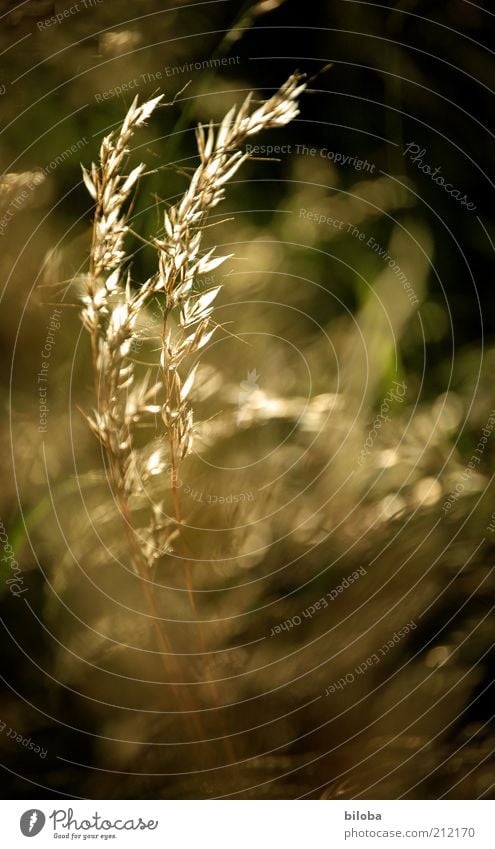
(281, 503)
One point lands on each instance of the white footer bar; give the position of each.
(296, 824)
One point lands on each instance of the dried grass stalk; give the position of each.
(112, 309)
